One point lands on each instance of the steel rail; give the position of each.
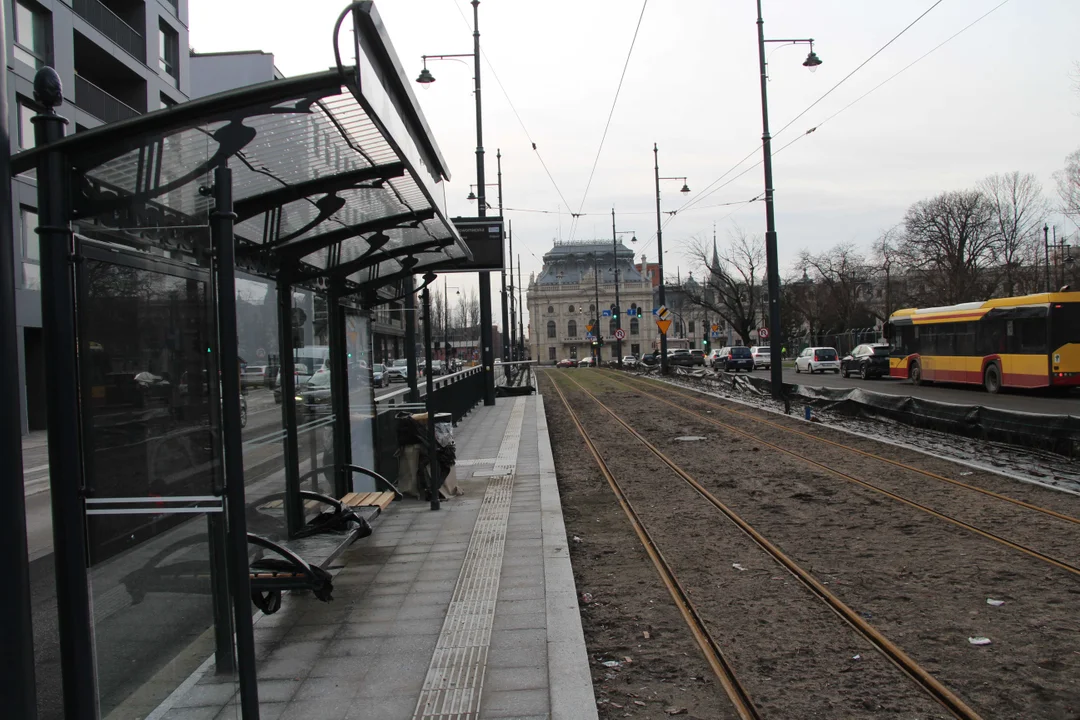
(738, 695)
(864, 453)
(1060, 564)
(886, 647)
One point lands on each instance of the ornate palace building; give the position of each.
(577, 278)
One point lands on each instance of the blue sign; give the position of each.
(588, 336)
(715, 335)
(606, 313)
(632, 312)
(654, 311)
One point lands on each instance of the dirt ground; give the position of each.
(922, 582)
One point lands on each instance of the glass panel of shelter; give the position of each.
(151, 426)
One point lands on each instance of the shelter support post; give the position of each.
(77, 662)
(487, 352)
(222, 220)
(340, 380)
(294, 508)
(433, 456)
(17, 683)
(410, 337)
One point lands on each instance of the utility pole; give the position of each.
(660, 259)
(1046, 253)
(505, 308)
(487, 354)
(618, 307)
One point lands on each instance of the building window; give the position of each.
(30, 249)
(571, 329)
(551, 309)
(26, 127)
(635, 349)
(31, 34)
(690, 327)
(634, 327)
(551, 353)
(168, 50)
(571, 308)
(165, 101)
(612, 326)
(592, 308)
(551, 328)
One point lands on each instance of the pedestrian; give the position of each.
(783, 352)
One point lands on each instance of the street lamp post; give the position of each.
(596, 330)
(776, 341)
(660, 250)
(615, 258)
(426, 78)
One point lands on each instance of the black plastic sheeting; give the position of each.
(1053, 433)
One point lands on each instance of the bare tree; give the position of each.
(461, 312)
(732, 280)
(1017, 209)
(950, 238)
(474, 310)
(842, 276)
(1068, 185)
(887, 266)
(438, 313)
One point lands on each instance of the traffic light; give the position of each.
(639, 313)
(705, 345)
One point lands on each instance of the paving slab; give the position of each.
(465, 612)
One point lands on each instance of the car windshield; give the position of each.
(882, 351)
(825, 354)
(400, 363)
(378, 367)
(740, 352)
(761, 351)
(318, 380)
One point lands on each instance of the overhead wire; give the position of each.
(710, 189)
(514, 109)
(611, 114)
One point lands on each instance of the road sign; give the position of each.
(588, 336)
(632, 312)
(260, 353)
(663, 313)
(663, 325)
(763, 333)
(715, 334)
(588, 328)
(715, 328)
(606, 313)
(620, 334)
(656, 311)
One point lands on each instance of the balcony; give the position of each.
(112, 26)
(100, 104)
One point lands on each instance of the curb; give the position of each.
(569, 677)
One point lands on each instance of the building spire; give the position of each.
(715, 264)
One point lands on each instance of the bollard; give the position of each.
(807, 412)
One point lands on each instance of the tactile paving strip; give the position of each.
(455, 678)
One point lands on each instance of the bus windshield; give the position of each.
(1064, 324)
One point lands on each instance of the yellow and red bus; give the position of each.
(1031, 341)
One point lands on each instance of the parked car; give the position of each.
(735, 358)
(587, 362)
(762, 356)
(650, 360)
(818, 359)
(698, 357)
(566, 363)
(379, 376)
(254, 376)
(314, 398)
(869, 361)
(712, 358)
(398, 371)
(681, 357)
(437, 368)
(629, 361)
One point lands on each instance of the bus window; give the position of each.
(1064, 324)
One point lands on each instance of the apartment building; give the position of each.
(116, 59)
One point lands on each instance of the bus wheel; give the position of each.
(915, 373)
(992, 378)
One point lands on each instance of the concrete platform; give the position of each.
(467, 612)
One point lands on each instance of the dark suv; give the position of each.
(735, 358)
(869, 361)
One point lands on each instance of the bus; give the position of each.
(1020, 342)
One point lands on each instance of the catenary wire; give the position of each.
(611, 114)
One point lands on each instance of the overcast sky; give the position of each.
(1000, 97)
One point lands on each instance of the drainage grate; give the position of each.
(455, 678)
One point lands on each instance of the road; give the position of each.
(1026, 401)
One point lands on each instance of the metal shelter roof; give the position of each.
(335, 174)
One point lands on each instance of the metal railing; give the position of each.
(112, 26)
(100, 104)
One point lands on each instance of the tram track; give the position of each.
(895, 496)
(638, 383)
(892, 652)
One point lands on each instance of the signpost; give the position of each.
(620, 334)
(763, 333)
(605, 313)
